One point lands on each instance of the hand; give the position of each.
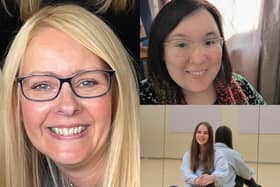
(205, 179)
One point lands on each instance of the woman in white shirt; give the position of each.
(202, 165)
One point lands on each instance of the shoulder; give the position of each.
(218, 154)
(252, 94)
(187, 155)
(147, 94)
(225, 150)
(221, 154)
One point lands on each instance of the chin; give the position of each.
(68, 158)
(67, 162)
(198, 88)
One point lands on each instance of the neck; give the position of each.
(88, 174)
(205, 97)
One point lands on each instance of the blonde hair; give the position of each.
(24, 165)
(28, 7)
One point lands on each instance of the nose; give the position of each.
(197, 54)
(67, 102)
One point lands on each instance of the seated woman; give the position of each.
(68, 118)
(202, 165)
(188, 61)
(238, 170)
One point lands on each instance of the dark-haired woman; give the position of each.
(239, 172)
(188, 61)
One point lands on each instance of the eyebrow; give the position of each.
(183, 36)
(202, 131)
(41, 73)
(212, 34)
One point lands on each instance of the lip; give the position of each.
(64, 132)
(201, 140)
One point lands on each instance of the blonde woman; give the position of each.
(122, 16)
(69, 118)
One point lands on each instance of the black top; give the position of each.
(124, 24)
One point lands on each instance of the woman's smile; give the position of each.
(196, 73)
(68, 131)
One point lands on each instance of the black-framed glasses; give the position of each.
(86, 84)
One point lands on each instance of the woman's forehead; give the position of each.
(202, 127)
(196, 25)
(55, 51)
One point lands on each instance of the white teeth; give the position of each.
(65, 132)
(68, 131)
(197, 73)
(71, 131)
(75, 130)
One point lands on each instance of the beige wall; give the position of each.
(152, 134)
(159, 141)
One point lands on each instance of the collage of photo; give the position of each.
(139, 93)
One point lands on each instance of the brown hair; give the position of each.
(223, 134)
(208, 155)
(164, 23)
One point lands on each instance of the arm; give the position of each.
(188, 175)
(221, 169)
(240, 166)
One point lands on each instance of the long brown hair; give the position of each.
(208, 155)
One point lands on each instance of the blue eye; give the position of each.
(88, 83)
(40, 86)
